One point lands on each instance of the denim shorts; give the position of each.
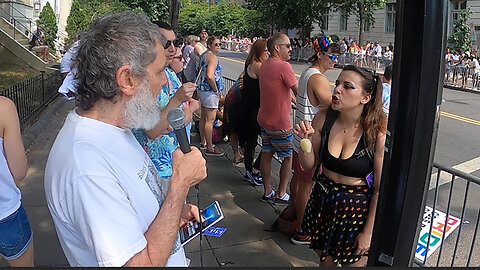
(15, 235)
(209, 99)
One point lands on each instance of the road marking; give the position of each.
(460, 118)
(467, 167)
(442, 113)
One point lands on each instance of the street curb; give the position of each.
(461, 89)
(31, 133)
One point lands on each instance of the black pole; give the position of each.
(412, 129)
(174, 13)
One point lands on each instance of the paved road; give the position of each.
(457, 146)
(457, 140)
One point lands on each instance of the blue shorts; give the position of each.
(280, 141)
(15, 235)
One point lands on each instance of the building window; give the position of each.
(343, 21)
(457, 7)
(390, 19)
(324, 21)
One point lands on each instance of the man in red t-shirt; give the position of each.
(277, 80)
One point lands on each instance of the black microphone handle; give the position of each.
(182, 139)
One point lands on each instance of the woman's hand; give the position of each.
(304, 130)
(362, 243)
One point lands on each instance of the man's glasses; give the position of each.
(332, 57)
(286, 44)
(175, 42)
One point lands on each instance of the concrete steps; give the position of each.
(20, 46)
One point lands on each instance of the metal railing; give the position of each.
(22, 28)
(33, 95)
(462, 77)
(450, 226)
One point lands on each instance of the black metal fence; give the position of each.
(33, 95)
(449, 231)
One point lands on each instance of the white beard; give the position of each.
(142, 111)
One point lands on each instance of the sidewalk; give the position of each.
(244, 244)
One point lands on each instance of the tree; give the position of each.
(461, 39)
(363, 9)
(84, 12)
(77, 21)
(220, 20)
(290, 14)
(155, 10)
(48, 21)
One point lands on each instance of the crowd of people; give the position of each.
(460, 66)
(117, 150)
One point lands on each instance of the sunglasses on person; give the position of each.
(175, 42)
(332, 57)
(286, 44)
(217, 44)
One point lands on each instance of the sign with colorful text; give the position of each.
(439, 228)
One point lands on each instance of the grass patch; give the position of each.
(13, 74)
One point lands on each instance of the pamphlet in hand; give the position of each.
(211, 215)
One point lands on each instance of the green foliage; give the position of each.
(155, 10)
(84, 12)
(363, 9)
(48, 21)
(461, 39)
(290, 14)
(220, 20)
(77, 21)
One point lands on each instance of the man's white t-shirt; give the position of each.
(67, 61)
(101, 190)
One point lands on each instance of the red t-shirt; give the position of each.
(276, 79)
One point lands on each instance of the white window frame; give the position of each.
(324, 22)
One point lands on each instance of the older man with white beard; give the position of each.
(108, 203)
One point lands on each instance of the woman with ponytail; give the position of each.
(340, 213)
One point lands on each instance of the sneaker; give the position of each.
(257, 179)
(299, 238)
(253, 179)
(203, 146)
(270, 196)
(284, 200)
(215, 153)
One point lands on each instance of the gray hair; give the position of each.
(114, 41)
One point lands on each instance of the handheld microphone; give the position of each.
(176, 119)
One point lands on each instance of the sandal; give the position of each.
(238, 161)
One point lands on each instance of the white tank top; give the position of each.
(304, 109)
(9, 192)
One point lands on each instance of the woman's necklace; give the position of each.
(352, 126)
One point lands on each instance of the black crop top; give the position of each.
(358, 165)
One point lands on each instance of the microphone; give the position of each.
(176, 119)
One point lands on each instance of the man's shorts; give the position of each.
(304, 175)
(15, 235)
(209, 99)
(280, 141)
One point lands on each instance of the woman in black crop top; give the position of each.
(341, 210)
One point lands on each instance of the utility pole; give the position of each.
(420, 34)
(174, 12)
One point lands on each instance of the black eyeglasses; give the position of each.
(217, 44)
(175, 42)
